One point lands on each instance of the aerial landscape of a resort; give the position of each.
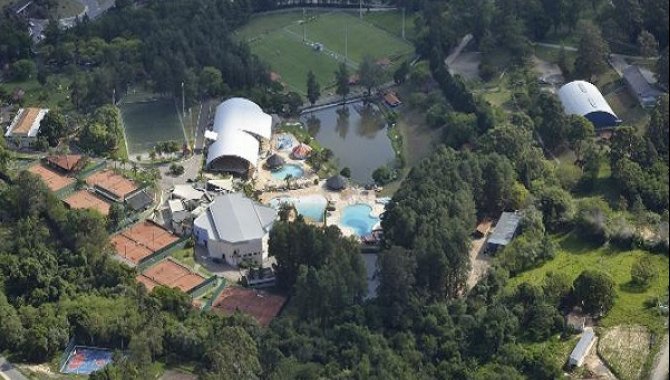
(435, 189)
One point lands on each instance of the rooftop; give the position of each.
(66, 162)
(583, 345)
(187, 193)
(235, 218)
(27, 122)
(139, 201)
(504, 231)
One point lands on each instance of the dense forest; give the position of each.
(59, 282)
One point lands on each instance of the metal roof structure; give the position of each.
(643, 91)
(187, 193)
(139, 201)
(235, 218)
(584, 99)
(239, 123)
(582, 347)
(504, 231)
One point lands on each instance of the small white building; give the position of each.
(235, 229)
(23, 130)
(582, 349)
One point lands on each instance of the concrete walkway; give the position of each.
(8, 372)
(660, 370)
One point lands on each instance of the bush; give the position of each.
(642, 272)
(591, 221)
(622, 234)
(176, 170)
(382, 175)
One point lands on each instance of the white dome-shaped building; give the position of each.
(584, 99)
(239, 124)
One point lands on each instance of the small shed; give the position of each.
(301, 151)
(275, 162)
(504, 231)
(337, 183)
(391, 99)
(140, 201)
(638, 85)
(582, 349)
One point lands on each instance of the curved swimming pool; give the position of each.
(309, 206)
(289, 169)
(358, 218)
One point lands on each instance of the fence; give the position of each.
(67, 190)
(203, 287)
(92, 169)
(215, 294)
(66, 354)
(161, 254)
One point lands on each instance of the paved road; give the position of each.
(7, 371)
(660, 372)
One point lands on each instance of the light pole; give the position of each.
(183, 101)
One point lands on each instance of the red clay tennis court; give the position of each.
(171, 274)
(141, 240)
(150, 235)
(83, 199)
(53, 180)
(130, 249)
(112, 183)
(262, 306)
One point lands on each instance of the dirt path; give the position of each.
(660, 371)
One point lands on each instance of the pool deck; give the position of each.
(273, 188)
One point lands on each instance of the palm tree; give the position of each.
(288, 179)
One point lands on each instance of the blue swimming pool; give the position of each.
(358, 218)
(310, 206)
(294, 170)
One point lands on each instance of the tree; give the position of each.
(580, 129)
(346, 172)
(176, 170)
(53, 127)
(370, 73)
(595, 291)
(231, 353)
(647, 44)
(382, 175)
(11, 329)
(592, 51)
(210, 82)
(401, 73)
(23, 70)
(658, 131)
(117, 214)
(342, 81)
(642, 272)
(313, 88)
(662, 68)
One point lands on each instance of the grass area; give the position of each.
(574, 256)
(391, 22)
(555, 348)
(628, 109)
(278, 39)
(54, 94)
(625, 349)
(186, 256)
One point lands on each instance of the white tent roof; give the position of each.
(582, 98)
(187, 192)
(238, 122)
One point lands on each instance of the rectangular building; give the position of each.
(22, 132)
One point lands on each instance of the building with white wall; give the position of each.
(235, 229)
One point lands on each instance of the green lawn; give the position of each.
(186, 256)
(55, 94)
(391, 22)
(574, 256)
(278, 40)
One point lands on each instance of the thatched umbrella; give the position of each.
(301, 151)
(274, 162)
(337, 183)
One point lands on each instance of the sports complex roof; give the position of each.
(27, 122)
(235, 218)
(584, 99)
(238, 123)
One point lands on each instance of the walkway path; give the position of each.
(660, 371)
(7, 371)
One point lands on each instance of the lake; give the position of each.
(357, 136)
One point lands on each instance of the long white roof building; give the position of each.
(238, 124)
(584, 99)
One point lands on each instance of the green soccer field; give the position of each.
(278, 40)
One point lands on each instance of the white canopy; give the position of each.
(238, 123)
(582, 98)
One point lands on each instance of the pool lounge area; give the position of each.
(312, 207)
